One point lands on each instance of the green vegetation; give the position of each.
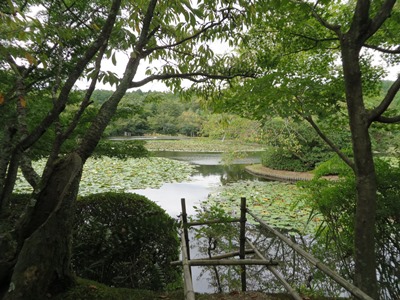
(294, 145)
(293, 61)
(202, 145)
(106, 174)
(125, 240)
(277, 203)
(336, 203)
(89, 290)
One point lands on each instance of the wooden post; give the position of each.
(188, 283)
(242, 249)
(185, 227)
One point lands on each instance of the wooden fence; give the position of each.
(226, 259)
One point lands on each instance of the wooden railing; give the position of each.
(226, 259)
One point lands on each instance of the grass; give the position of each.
(89, 290)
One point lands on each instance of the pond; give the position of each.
(210, 173)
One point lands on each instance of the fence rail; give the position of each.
(242, 261)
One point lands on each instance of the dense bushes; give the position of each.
(125, 240)
(336, 201)
(281, 159)
(295, 146)
(121, 149)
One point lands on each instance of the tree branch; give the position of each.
(333, 27)
(388, 120)
(204, 28)
(382, 107)
(145, 34)
(28, 171)
(329, 142)
(73, 77)
(383, 50)
(188, 76)
(383, 14)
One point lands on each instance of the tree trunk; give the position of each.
(47, 230)
(364, 226)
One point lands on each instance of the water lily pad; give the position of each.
(279, 204)
(110, 174)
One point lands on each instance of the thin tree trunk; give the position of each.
(364, 226)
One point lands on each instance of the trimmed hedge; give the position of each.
(125, 240)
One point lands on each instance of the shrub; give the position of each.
(297, 147)
(336, 201)
(121, 149)
(333, 166)
(125, 240)
(280, 159)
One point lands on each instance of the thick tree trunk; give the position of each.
(364, 226)
(42, 264)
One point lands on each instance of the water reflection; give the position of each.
(209, 175)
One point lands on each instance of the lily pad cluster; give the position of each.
(278, 204)
(107, 174)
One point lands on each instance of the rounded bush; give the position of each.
(279, 159)
(125, 240)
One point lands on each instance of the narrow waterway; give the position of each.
(210, 173)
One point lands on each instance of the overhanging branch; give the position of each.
(388, 120)
(310, 120)
(197, 77)
(383, 50)
(376, 113)
(204, 28)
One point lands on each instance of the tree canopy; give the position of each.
(317, 61)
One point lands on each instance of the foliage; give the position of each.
(279, 204)
(229, 126)
(295, 146)
(121, 149)
(106, 174)
(125, 240)
(280, 159)
(295, 50)
(87, 290)
(333, 166)
(336, 202)
(49, 48)
(201, 145)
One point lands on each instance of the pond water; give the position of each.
(209, 174)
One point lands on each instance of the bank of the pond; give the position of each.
(281, 175)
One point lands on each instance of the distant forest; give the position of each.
(146, 113)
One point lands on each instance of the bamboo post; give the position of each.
(242, 250)
(185, 227)
(188, 284)
(355, 291)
